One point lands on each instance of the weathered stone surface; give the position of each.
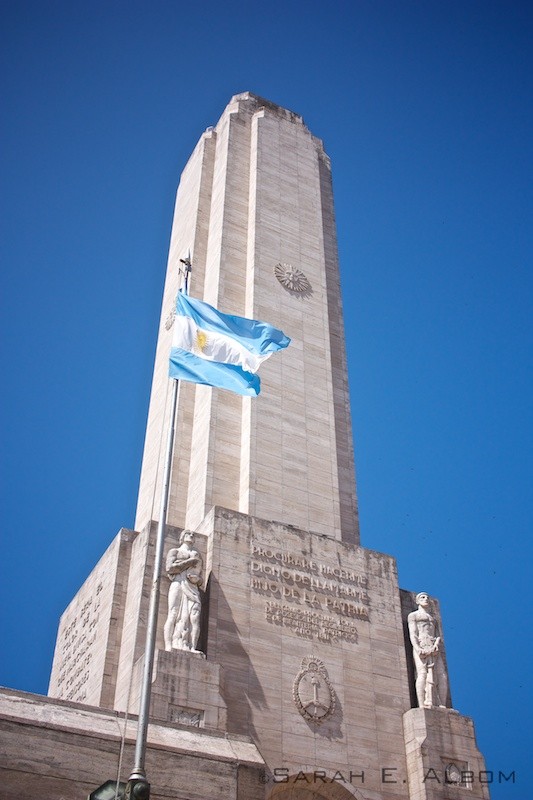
(56, 750)
(185, 688)
(435, 740)
(279, 595)
(90, 630)
(276, 597)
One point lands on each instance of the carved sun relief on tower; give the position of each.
(292, 278)
(313, 692)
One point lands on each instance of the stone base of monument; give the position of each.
(442, 755)
(57, 749)
(179, 676)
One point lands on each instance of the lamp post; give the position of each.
(137, 789)
(109, 790)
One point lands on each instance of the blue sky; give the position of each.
(425, 111)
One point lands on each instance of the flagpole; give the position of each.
(139, 773)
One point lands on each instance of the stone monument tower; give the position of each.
(255, 210)
(294, 668)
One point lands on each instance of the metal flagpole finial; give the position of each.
(187, 271)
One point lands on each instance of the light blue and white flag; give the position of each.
(220, 349)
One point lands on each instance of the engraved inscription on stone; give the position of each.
(77, 647)
(309, 624)
(315, 600)
(312, 691)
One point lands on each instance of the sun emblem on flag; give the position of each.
(201, 341)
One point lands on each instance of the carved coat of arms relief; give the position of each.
(312, 691)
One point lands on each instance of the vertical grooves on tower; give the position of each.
(189, 232)
(341, 395)
(215, 472)
(256, 192)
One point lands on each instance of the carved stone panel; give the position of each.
(312, 691)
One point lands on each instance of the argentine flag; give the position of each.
(220, 349)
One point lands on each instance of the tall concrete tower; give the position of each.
(255, 209)
(291, 667)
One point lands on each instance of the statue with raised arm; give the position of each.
(431, 678)
(184, 568)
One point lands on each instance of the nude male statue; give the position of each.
(431, 678)
(184, 568)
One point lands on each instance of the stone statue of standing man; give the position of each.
(431, 678)
(184, 568)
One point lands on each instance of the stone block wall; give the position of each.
(58, 750)
(89, 638)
